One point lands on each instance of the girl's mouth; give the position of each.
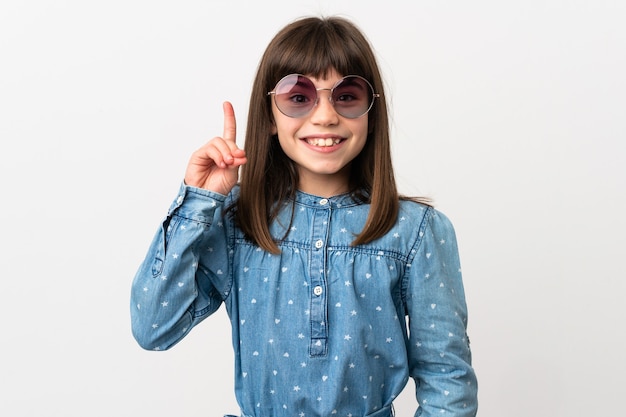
(323, 142)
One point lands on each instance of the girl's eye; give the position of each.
(299, 98)
(346, 97)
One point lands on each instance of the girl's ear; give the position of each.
(274, 129)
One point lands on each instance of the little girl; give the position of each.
(337, 289)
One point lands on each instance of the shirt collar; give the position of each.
(337, 201)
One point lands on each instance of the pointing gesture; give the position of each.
(230, 124)
(215, 166)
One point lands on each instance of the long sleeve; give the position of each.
(183, 278)
(439, 353)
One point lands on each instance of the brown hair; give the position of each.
(314, 46)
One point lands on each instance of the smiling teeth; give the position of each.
(322, 141)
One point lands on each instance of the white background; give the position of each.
(511, 115)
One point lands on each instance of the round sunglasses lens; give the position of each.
(352, 97)
(295, 95)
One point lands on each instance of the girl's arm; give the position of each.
(182, 279)
(439, 353)
(174, 289)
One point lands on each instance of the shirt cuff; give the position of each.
(196, 203)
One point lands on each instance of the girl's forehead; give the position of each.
(281, 71)
(329, 74)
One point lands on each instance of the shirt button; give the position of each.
(318, 290)
(179, 199)
(319, 244)
(323, 201)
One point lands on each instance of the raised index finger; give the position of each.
(230, 124)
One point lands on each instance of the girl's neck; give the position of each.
(323, 185)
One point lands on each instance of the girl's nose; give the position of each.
(324, 112)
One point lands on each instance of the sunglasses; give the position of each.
(295, 96)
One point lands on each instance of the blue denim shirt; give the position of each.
(323, 328)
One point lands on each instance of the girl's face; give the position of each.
(321, 143)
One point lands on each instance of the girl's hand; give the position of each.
(215, 166)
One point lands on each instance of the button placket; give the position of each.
(319, 299)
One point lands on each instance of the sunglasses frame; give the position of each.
(330, 97)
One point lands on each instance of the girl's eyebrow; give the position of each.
(353, 83)
(301, 82)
